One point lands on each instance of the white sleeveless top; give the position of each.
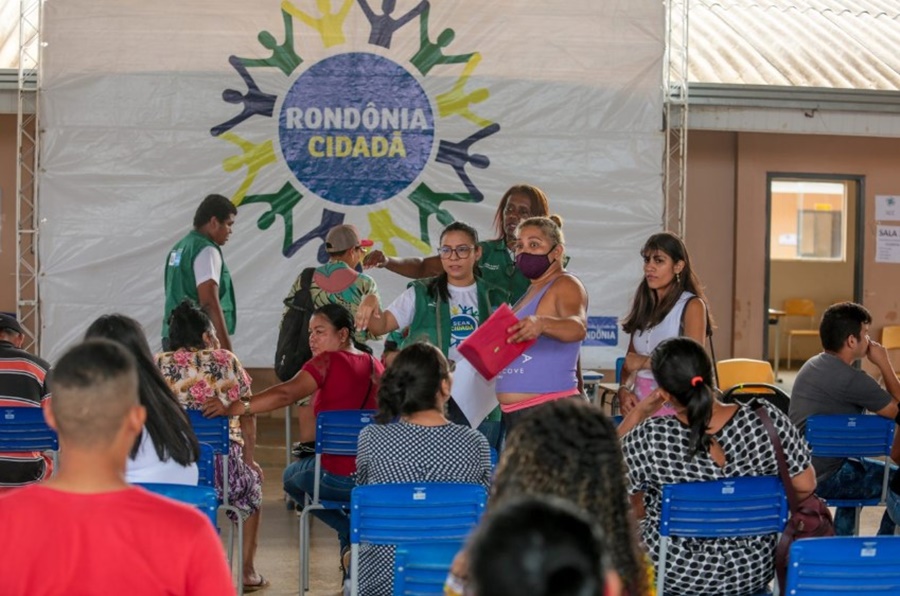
(147, 467)
(646, 341)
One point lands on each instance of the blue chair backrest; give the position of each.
(206, 465)
(213, 431)
(620, 363)
(422, 568)
(841, 435)
(421, 512)
(743, 506)
(202, 497)
(24, 429)
(733, 507)
(337, 431)
(844, 565)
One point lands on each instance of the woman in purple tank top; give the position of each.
(668, 303)
(553, 311)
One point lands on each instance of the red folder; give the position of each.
(487, 349)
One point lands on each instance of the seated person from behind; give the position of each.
(540, 546)
(167, 450)
(704, 440)
(23, 384)
(85, 529)
(829, 384)
(420, 446)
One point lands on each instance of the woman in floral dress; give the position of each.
(197, 370)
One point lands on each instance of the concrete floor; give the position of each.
(277, 556)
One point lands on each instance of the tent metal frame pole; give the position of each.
(675, 63)
(27, 173)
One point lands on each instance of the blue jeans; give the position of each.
(893, 506)
(856, 479)
(299, 478)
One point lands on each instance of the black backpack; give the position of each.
(292, 350)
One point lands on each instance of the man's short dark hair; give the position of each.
(213, 206)
(94, 386)
(840, 321)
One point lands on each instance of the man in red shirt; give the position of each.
(85, 530)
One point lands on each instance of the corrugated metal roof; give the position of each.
(844, 44)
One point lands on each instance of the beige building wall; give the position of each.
(726, 227)
(709, 230)
(8, 212)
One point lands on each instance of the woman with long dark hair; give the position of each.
(669, 302)
(167, 450)
(415, 442)
(704, 440)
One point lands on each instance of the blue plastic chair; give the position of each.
(23, 430)
(392, 514)
(620, 364)
(337, 433)
(214, 433)
(203, 498)
(841, 435)
(844, 565)
(420, 569)
(734, 507)
(206, 466)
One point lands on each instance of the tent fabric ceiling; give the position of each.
(838, 44)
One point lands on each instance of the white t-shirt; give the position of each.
(147, 467)
(463, 314)
(207, 265)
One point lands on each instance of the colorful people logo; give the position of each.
(356, 128)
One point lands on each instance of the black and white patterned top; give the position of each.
(404, 452)
(655, 454)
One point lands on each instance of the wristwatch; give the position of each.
(246, 403)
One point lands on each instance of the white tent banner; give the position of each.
(309, 113)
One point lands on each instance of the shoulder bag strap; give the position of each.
(709, 334)
(779, 455)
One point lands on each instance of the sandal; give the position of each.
(345, 563)
(262, 583)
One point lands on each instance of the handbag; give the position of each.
(810, 518)
(487, 349)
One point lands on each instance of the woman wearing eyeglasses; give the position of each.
(497, 258)
(442, 310)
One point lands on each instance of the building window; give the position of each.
(808, 220)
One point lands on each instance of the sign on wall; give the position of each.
(310, 113)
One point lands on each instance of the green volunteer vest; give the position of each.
(424, 323)
(181, 283)
(500, 270)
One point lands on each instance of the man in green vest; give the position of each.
(196, 270)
